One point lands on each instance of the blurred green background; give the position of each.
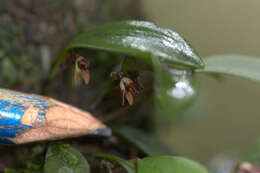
(226, 117)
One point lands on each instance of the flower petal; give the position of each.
(129, 97)
(75, 79)
(85, 76)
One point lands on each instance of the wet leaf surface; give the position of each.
(65, 159)
(139, 39)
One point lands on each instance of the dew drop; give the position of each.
(182, 88)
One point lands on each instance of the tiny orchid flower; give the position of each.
(81, 69)
(128, 87)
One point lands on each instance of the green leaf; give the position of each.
(236, 65)
(65, 159)
(129, 167)
(147, 143)
(141, 40)
(9, 170)
(31, 168)
(168, 164)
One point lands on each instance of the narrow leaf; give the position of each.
(147, 143)
(65, 159)
(168, 164)
(129, 167)
(236, 65)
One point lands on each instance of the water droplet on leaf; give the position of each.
(181, 88)
(174, 91)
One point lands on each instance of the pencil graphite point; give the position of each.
(29, 118)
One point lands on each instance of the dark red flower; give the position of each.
(128, 88)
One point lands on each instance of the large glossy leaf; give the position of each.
(168, 164)
(147, 143)
(65, 159)
(141, 40)
(129, 166)
(236, 65)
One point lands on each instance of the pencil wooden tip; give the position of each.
(63, 121)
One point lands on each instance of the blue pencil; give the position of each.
(29, 118)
